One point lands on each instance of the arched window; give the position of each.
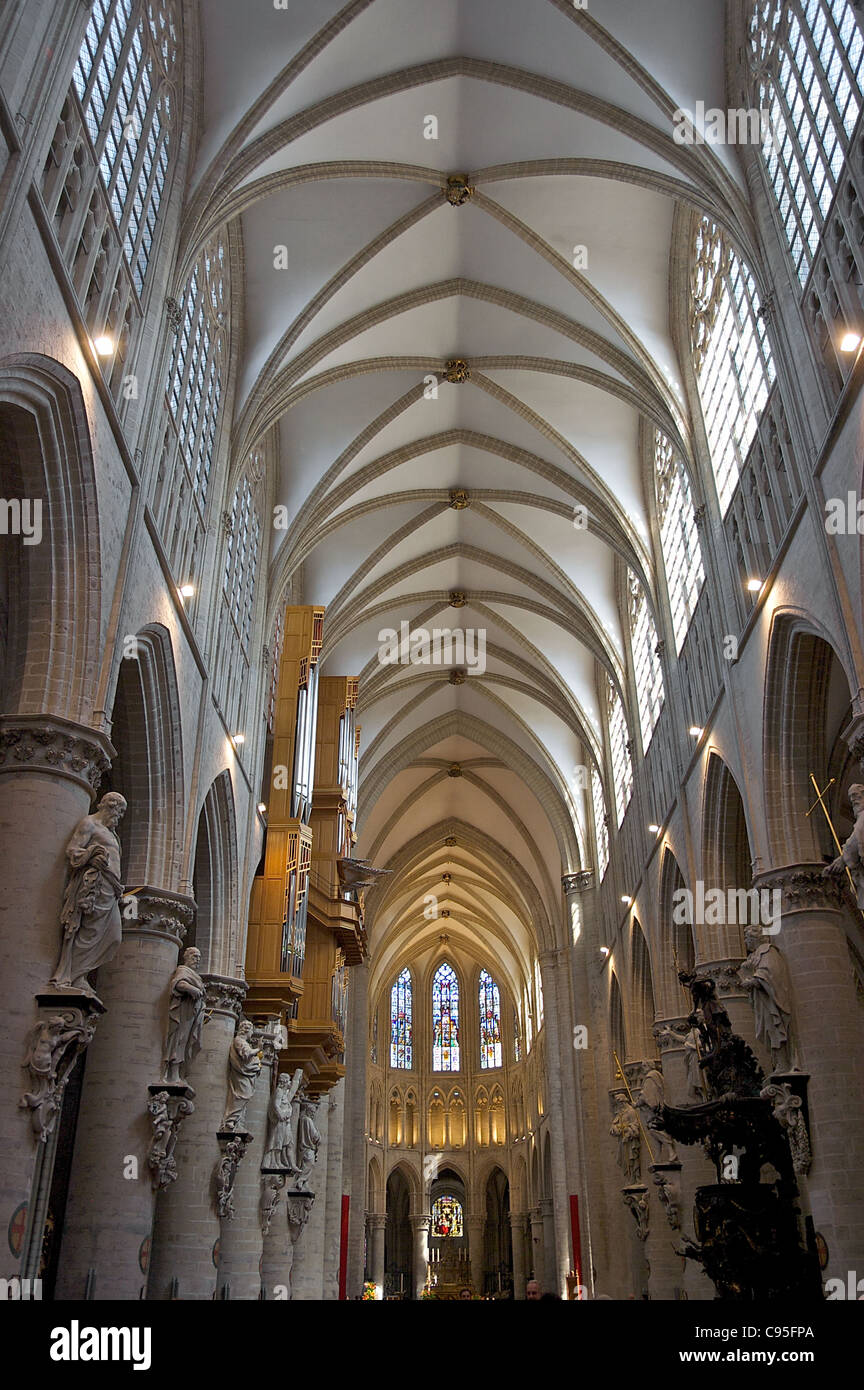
(107, 169)
(529, 1018)
(601, 829)
(806, 57)
(193, 390)
(731, 353)
(401, 1027)
(538, 994)
(517, 1037)
(622, 766)
(679, 538)
(490, 1022)
(647, 670)
(445, 1019)
(240, 571)
(446, 1218)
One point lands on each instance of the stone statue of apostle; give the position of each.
(92, 926)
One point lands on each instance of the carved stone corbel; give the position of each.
(54, 1045)
(636, 1200)
(272, 1186)
(168, 1106)
(298, 1207)
(232, 1144)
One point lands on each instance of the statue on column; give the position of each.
(651, 1101)
(185, 1017)
(281, 1149)
(308, 1140)
(851, 856)
(92, 925)
(625, 1128)
(244, 1064)
(765, 976)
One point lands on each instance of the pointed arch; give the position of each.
(54, 609)
(727, 856)
(215, 878)
(446, 1025)
(642, 1006)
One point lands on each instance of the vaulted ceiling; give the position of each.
(315, 126)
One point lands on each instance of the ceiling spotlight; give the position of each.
(187, 591)
(262, 807)
(655, 829)
(104, 345)
(850, 342)
(695, 731)
(604, 950)
(627, 901)
(237, 739)
(754, 585)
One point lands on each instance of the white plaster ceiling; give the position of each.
(313, 138)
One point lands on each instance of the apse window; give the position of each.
(490, 1022)
(445, 1019)
(447, 1218)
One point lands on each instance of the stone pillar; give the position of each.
(354, 1172)
(307, 1278)
(49, 770)
(420, 1225)
(538, 1257)
(333, 1214)
(549, 1277)
(241, 1240)
(377, 1224)
(186, 1228)
(474, 1228)
(109, 1216)
(828, 1035)
(696, 1169)
(517, 1231)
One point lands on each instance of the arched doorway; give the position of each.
(448, 1236)
(397, 1238)
(497, 1245)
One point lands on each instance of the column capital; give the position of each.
(545, 1206)
(157, 912)
(670, 1033)
(803, 888)
(422, 1221)
(578, 882)
(377, 1220)
(58, 747)
(724, 973)
(854, 735)
(225, 995)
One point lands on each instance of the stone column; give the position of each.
(517, 1231)
(186, 1228)
(420, 1225)
(538, 1257)
(376, 1227)
(474, 1228)
(240, 1236)
(549, 1277)
(696, 1169)
(828, 1034)
(109, 1215)
(307, 1278)
(49, 770)
(354, 1171)
(333, 1214)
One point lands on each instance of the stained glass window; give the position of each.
(400, 1022)
(807, 58)
(446, 1217)
(731, 354)
(538, 994)
(517, 1037)
(490, 1022)
(682, 554)
(445, 1019)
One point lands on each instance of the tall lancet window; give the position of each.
(240, 571)
(622, 766)
(445, 1019)
(193, 390)
(806, 57)
(108, 165)
(679, 538)
(601, 828)
(731, 353)
(490, 1022)
(647, 670)
(401, 1026)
